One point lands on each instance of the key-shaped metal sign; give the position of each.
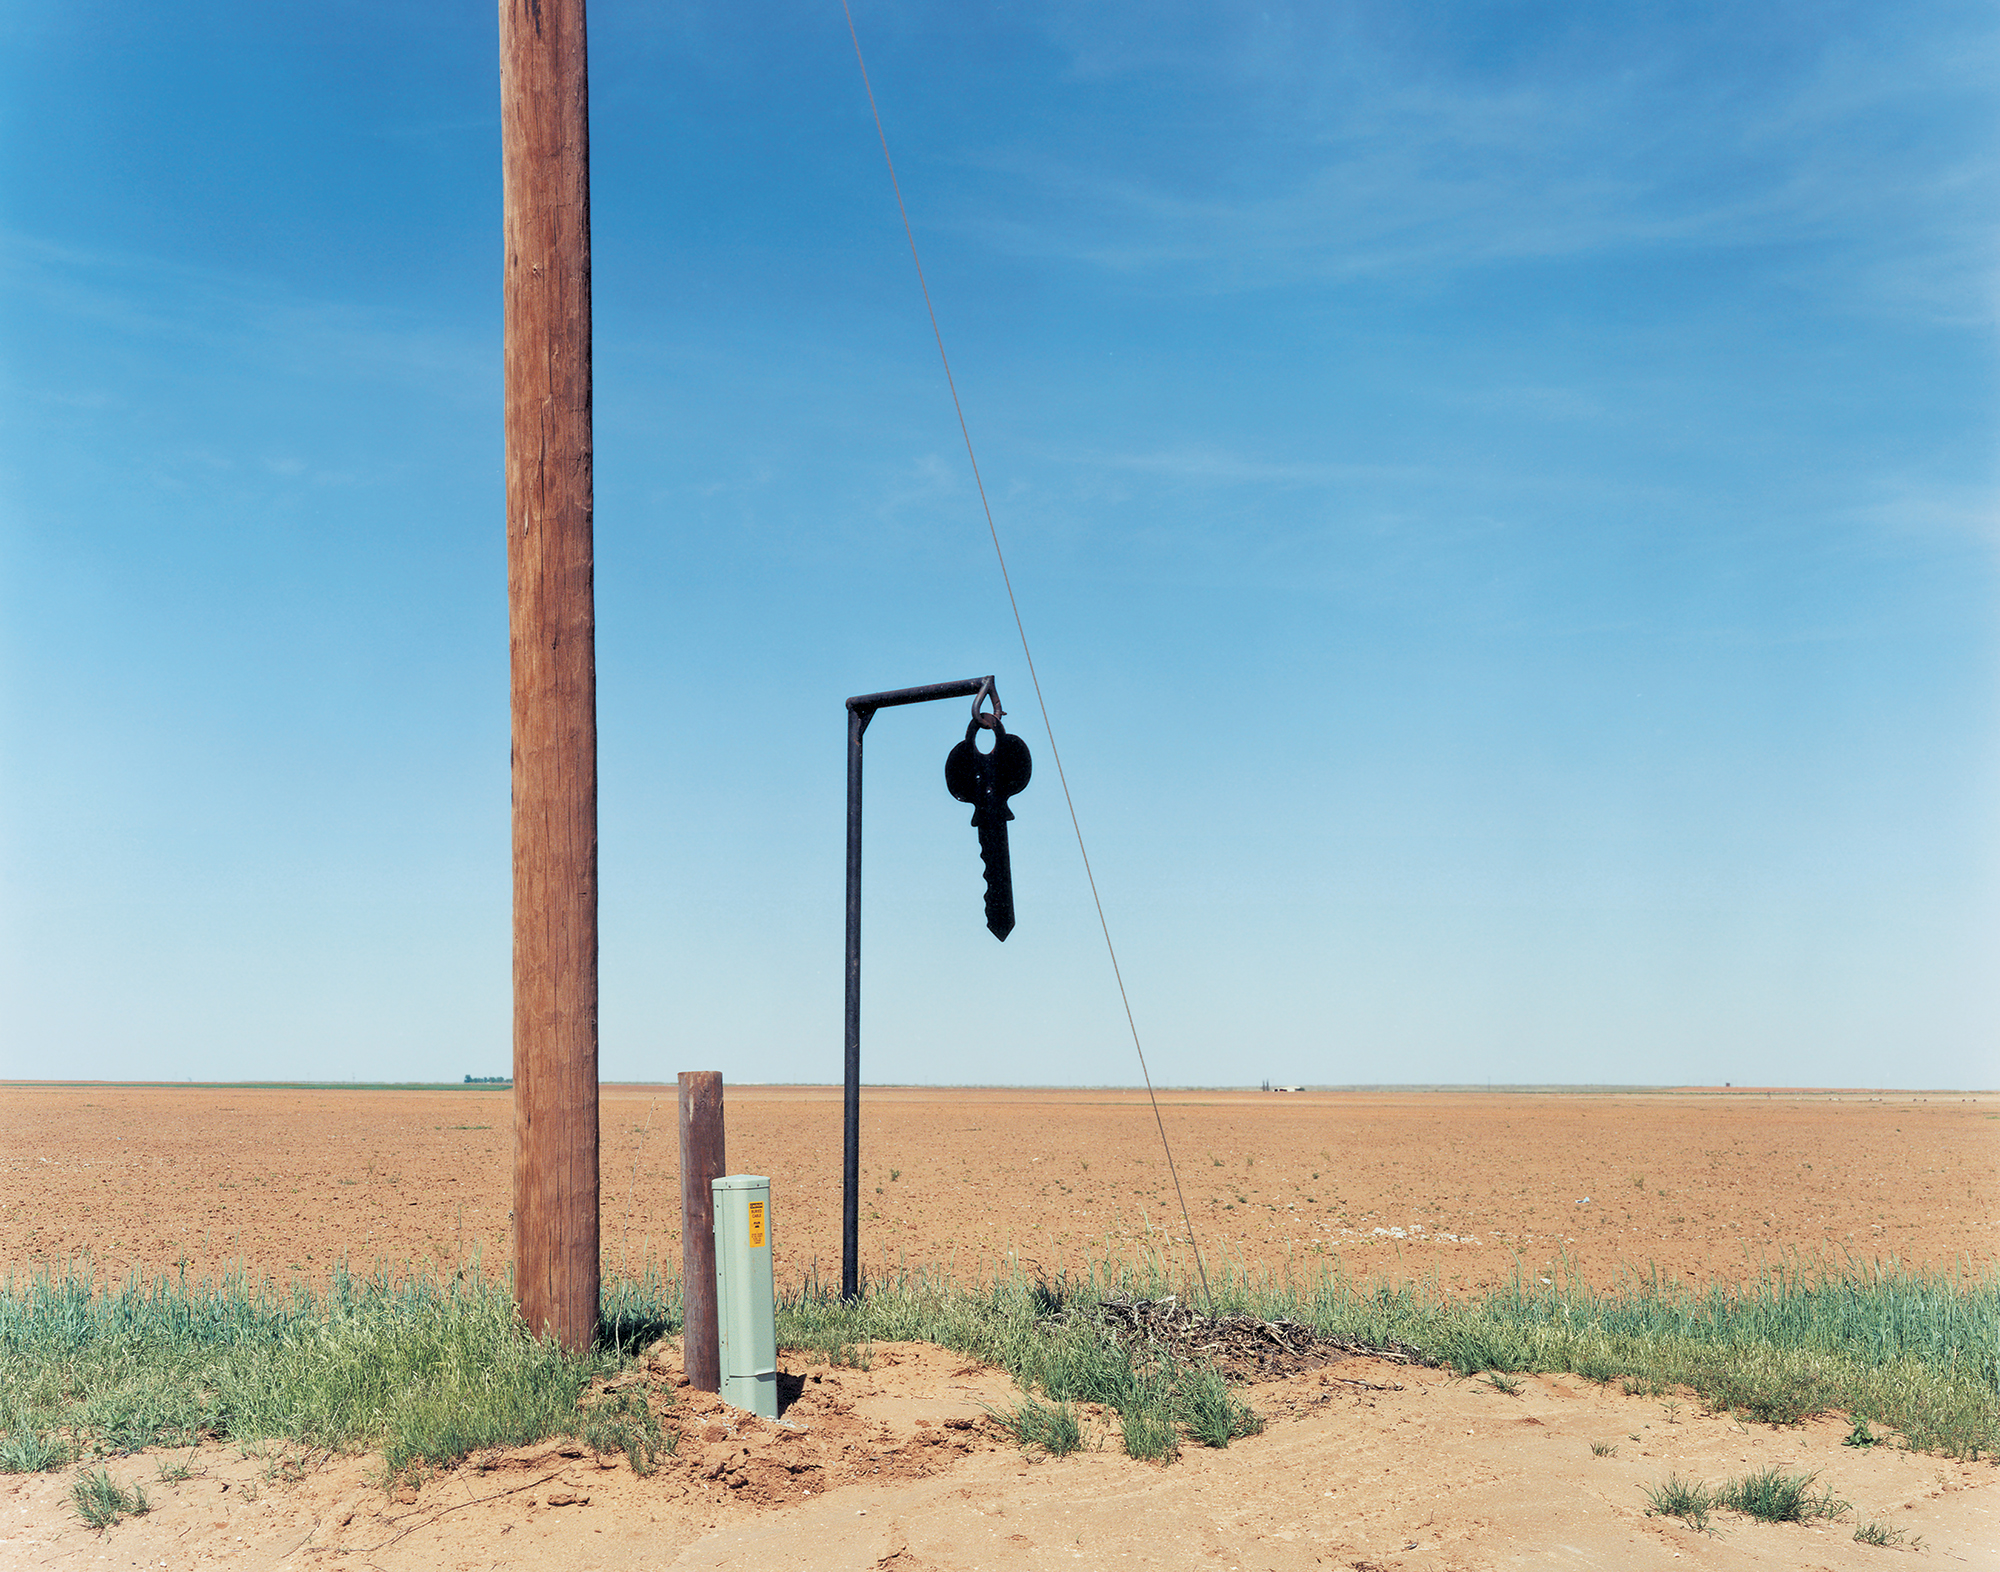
(987, 780)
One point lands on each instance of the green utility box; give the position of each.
(745, 1302)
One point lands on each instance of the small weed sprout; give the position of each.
(1673, 1411)
(1873, 1533)
(101, 1501)
(1603, 1449)
(1861, 1435)
(1687, 1499)
(895, 1174)
(1500, 1381)
(172, 1473)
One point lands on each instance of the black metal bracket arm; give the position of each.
(860, 711)
(978, 689)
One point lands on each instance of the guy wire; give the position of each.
(1029, 655)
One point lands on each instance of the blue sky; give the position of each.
(1502, 496)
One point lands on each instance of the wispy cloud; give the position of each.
(1913, 507)
(240, 319)
(1203, 464)
(1353, 156)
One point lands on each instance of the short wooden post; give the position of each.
(701, 1162)
(551, 628)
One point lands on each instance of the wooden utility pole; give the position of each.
(551, 636)
(702, 1163)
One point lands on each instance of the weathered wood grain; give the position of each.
(551, 626)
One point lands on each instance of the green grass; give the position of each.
(1773, 1496)
(1054, 1427)
(1687, 1499)
(1872, 1533)
(427, 1369)
(1770, 1496)
(625, 1422)
(1043, 1335)
(101, 1501)
(1213, 1414)
(28, 1451)
(1917, 1351)
(423, 1369)
(1146, 1431)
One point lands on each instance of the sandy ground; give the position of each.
(1365, 1465)
(1408, 1184)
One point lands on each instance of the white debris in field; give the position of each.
(1415, 1232)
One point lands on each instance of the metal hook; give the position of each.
(989, 720)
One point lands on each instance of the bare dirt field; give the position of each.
(1364, 1465)
(1460, 1185)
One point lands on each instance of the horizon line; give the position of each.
(1289, 1088)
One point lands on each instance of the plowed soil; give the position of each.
(1461, 1185)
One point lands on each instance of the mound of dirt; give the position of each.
(1243, 1347)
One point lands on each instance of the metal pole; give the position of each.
(551, 635)
(702, 1163)
(850, 1151)
(860, 711)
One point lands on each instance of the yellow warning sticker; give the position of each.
(756, 1225)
